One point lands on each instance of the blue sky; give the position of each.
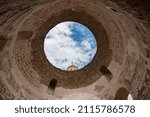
(70, 42)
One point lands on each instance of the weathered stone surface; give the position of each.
(122, 31)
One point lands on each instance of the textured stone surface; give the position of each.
(122, 31)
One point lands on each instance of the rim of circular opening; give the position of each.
(94, 39)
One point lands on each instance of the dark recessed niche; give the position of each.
(106, 72)
(52, 86)
(122, 94)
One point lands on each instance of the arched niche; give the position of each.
(106, 72)
(52, 86)
(123, 94)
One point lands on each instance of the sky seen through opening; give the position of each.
(70, 42)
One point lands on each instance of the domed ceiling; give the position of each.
(122, 61)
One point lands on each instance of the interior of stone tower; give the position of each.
(120, 67)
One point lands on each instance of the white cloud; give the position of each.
(61, 49)
(86, 44)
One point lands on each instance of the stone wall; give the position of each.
(122, 31)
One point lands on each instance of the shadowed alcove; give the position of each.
(123, 94)
(51, 87)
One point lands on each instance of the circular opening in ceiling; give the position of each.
(70, 46)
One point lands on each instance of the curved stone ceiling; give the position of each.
(123, 47)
